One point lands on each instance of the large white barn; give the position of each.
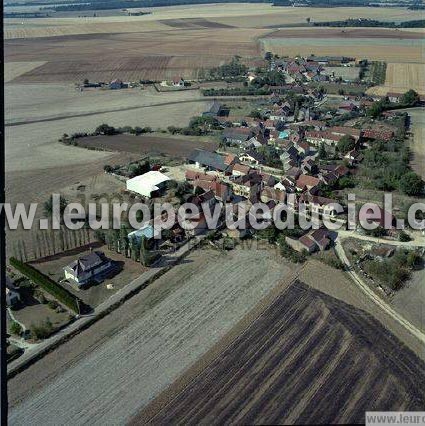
(147, 183)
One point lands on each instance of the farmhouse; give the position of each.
(306, 182)
(318, 204)
(178, 81)
(394, 97)
(91, 267)
(148, 184)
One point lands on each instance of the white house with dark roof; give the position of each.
(90, 267)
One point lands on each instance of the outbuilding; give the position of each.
(148, 184)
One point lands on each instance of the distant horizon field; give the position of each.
(239, 15)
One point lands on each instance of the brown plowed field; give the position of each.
(308, 358)
(146, 144)
(131, 56)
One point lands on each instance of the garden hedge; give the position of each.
(47, 284)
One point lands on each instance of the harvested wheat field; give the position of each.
(13, 70)
(308, 358)
(153, 338)
(417, 117)
(232, 14)
(360, 48)
(345, 33)
(400, 78)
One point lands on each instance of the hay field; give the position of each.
(400, 77)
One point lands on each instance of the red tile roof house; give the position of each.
(222, 191)
(383, 135)
(241, 170)
(320, 237)
(230, 159)
(319, 137)
(302, 243)
(305, 182)
(317, 204)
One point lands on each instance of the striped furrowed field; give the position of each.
(308, 358)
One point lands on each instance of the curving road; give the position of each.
(373, 296)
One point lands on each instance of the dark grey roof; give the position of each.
(208, 159)
(87, 262)
(256, 155)
(215, 107)
(237, 133)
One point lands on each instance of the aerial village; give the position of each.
(296, 140)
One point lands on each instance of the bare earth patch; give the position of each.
(175, 147)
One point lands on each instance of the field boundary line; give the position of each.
(165, 397)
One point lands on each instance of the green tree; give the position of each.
(411, 184)
(48, 206)
(404, 236)
(15, 328)
(268, 56)
(375, 110)
(322, 152)
(105, 129)
(410, 98)
(346, 143)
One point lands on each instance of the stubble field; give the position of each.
(308, 358)
(400, 78)
(199, 301)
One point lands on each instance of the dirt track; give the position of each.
(138, 350)
(308, 359)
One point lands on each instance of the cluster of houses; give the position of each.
(309, 69)
(235, 179)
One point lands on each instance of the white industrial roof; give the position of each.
(149, 180)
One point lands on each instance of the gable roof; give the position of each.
(307, 181)
(87, 262)
(208, 159)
